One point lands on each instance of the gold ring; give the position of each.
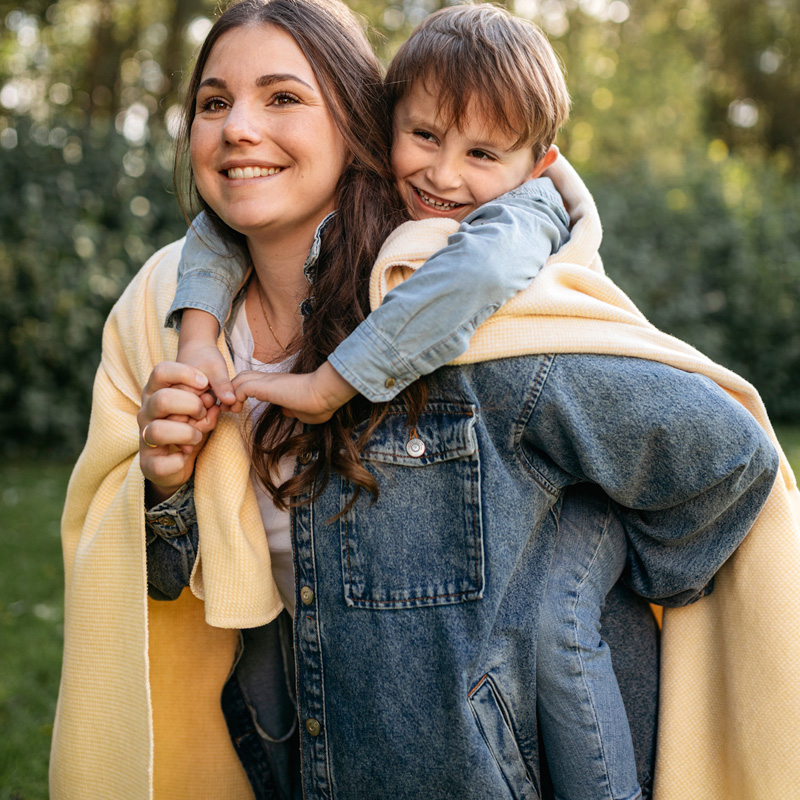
(144, 437)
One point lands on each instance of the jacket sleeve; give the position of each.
(210, 274)
(172, 538)
(429, 319)
(689, 467)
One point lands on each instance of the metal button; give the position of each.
(307, 595)
(304, 458)
(415, 447)
(389, 383)
(313, 726)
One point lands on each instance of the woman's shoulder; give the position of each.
(155, 283)
(134, 331)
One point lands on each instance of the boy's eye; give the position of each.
(481, 155)
(426, 135)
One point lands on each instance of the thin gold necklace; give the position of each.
(266, 318)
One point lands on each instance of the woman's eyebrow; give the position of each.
(280, 77)
(264, 80)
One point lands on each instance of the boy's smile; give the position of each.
(442, 171)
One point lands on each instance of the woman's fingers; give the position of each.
(166, 432)
(173, 403)
(172, 373)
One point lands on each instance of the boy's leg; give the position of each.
(585, 730)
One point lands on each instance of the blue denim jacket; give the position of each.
(415, 631)
(428, 320)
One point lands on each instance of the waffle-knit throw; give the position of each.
(138, 713)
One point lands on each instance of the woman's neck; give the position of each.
(273, 300)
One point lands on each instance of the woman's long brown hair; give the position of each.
(368, 209)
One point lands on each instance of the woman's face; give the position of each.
(265, 151)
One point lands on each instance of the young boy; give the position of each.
(475, 157)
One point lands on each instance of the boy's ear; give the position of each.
(547, 160)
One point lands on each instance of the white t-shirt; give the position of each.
(276, 522)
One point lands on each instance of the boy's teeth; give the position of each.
(252, 172)
(436, 203)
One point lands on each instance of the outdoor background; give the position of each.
(685, 125)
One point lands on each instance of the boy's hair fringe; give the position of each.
(480, 54)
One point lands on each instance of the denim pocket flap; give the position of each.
(444, 431)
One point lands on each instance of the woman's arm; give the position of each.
(689, 467)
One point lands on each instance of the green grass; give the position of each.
(31, 617)
(31, 623)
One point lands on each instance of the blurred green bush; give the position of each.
(712, 256)
(84, 212)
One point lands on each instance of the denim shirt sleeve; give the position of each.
(171, 536)
(689, 467)
(210, 274)
(429, 319)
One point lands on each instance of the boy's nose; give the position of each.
(444, 173)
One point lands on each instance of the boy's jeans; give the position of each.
(584, 727)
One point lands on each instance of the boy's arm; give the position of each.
(210, 274)
(428, 320)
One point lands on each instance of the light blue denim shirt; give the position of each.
(427, 321)
(416, 626)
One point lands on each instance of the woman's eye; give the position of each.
(285, 99)
(213, 104)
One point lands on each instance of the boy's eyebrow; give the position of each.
(264, 80)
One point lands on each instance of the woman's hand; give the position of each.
(176, 416)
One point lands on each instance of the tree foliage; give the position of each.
(685, 122)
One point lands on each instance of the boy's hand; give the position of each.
(197, 347)
(312, 398)
(174, 422)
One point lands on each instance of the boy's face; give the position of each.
(442, 171)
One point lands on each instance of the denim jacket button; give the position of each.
(307, 595)
(389, 383)
(304, 458)
(313, 726)
(415, 448)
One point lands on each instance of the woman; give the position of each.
(406, 684)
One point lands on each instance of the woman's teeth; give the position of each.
(437, 204)
(237, 173)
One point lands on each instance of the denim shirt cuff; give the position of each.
(211, 286)
(175, 515)
(371, 365)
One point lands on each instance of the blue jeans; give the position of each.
(585, 730)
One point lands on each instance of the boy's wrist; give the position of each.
(331, 386)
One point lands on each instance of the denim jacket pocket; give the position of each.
(494, 723)
(394, 557)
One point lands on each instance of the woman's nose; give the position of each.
(241, 125)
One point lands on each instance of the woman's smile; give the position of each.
(242, 173)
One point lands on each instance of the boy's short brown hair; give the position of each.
(482, 54)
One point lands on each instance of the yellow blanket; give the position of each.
(138, 713)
